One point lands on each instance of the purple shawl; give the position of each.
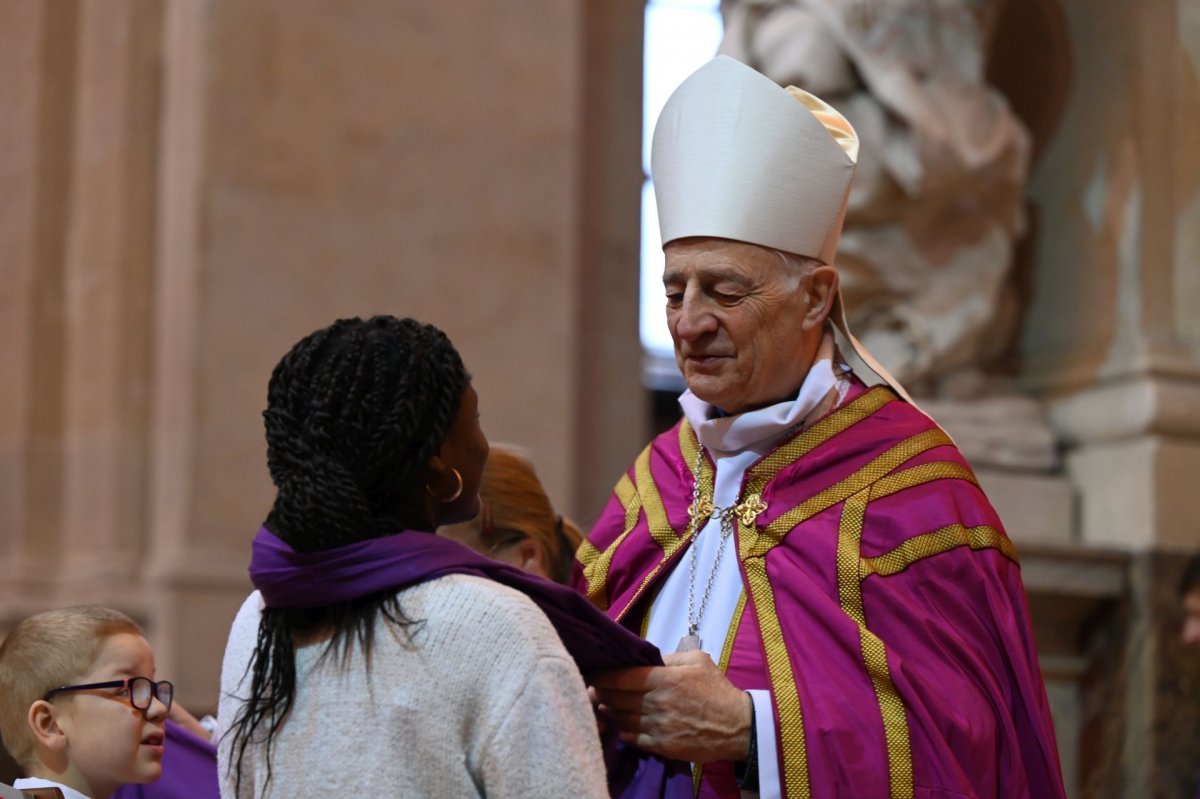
(290, 579)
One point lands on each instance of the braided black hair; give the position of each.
(354, 413)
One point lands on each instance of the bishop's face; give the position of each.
(742, 322)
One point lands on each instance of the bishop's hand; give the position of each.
(686, 710)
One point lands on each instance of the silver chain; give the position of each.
(726, 517)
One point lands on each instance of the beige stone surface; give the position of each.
(1035, 508)
(1138, 493)
(1114, 287)
(190, 186)
(1002, 432)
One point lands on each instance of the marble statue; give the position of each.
(937, 201)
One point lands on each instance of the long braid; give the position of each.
(354, 413)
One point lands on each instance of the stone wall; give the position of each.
(190, 186)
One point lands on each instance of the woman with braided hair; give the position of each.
(375, 657)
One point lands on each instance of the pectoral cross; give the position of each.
(691, 641)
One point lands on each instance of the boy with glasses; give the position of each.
(80, 709)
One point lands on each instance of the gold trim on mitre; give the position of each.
(834, 122)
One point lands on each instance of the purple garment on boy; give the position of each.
(290, 579)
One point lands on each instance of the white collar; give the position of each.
(744, 430)
(38, 782)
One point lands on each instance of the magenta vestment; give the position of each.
(899, 652)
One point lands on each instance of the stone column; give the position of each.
(108, 283)
(37, 60)
(1113, 345)
(612, 414)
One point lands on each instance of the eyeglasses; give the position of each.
(142, 690)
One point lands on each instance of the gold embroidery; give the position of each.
(891, 708)
(701, 508)
(833, 425)
(791, 721)
(874, 653)
(688, 443)
(595, 567)
(918, 475)
(935, 543)
(586, 554)
(846, 487)
(749, 509)
(596, 574)
(849, 539)
(626, 492)
(727, 649)
(660, 528)
(779, 667)
(652, 504)
(689, 446)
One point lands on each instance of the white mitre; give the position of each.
(735, 156)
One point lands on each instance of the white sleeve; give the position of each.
(768, 758)
(546, 744)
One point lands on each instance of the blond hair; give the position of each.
(514, 501)
(45, 651)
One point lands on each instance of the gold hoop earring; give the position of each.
(457, 492)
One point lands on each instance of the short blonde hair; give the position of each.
(43, 652)
(514, 501)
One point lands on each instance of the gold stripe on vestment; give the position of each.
(595, 569)
(660, 526)
(853, 568)
(586, 554)
(652, 504)
(727, 649)
(927, 545)
(874, 652)
(805, 442)
(666, 537)
(783, 681)
(921, 474)
(812, 437)
(873, 471)
(596, 574)
(626, 493)
(755, 543)
(779, 666)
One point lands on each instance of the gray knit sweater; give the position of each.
(484, 702)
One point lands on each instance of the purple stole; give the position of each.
(290, 579)
(884, 608)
